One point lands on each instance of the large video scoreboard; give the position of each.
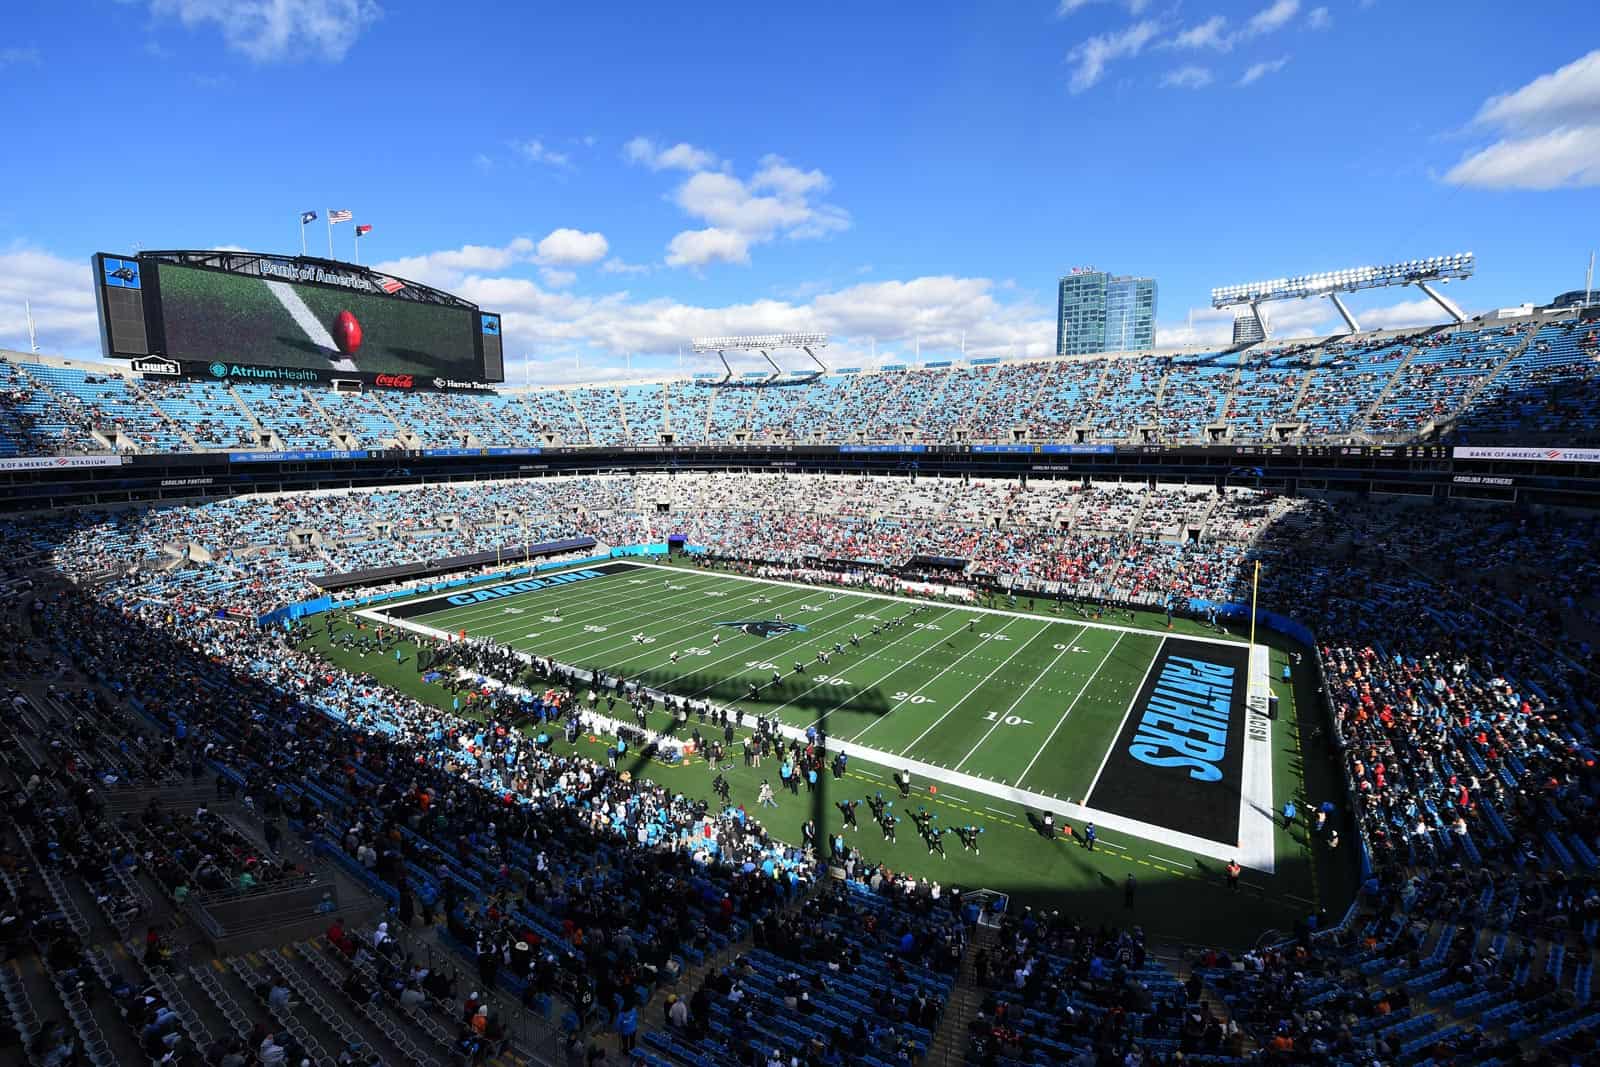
(254, 317)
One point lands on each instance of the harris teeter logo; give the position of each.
(765, 627)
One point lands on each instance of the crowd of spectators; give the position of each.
(1386, 384)
(1462, 709)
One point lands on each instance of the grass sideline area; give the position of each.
(1173, 887)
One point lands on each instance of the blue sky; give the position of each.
(619, 181)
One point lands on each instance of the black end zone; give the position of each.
(1179, 760)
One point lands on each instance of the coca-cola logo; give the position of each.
(395, 381)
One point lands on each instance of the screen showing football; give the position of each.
(214, 315)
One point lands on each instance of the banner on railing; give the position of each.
(1527, 455)
(50, 463)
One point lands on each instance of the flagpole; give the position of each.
(329, 218)
(302, 236)
(356, 232)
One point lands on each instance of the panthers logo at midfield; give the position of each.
(766, 627)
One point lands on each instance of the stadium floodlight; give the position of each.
(1423, 273)
(763, 343)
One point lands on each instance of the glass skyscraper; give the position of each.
(1100, 313)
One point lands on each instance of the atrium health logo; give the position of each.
(219, 370)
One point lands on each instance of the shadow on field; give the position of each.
(795, 690)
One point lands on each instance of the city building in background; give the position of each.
(1097, 312)
(1248, 329)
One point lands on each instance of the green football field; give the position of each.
(1017, 700)
(1002, 712)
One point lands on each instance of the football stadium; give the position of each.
(379, 694)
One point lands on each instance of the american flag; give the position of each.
(340, 216)
(389, 285)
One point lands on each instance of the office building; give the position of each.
(1097, 312)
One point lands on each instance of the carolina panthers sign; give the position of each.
(766, 627)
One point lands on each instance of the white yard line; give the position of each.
(1052, 736)
(303, 317)
(854, 663)
(1086, 623)
(1089, 793)
(981, 682)
(473, 615)
(653, 648)
(999, 720)
(737, 649)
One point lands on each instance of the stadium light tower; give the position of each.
(763, 343)
(1423, 273)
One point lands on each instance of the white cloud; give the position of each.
(19, 57)
(1550, 133)
(444, 269)
(779, 199)
(1204, 326)
(1407, 313)
(725, 201)
(614, 265)
(271, 30)
(1212, 33)
(1559, 159)
(1274, 16)
(536, 151)
(557, 279)
(1567, 96)
(681, 156)
(1257, 71)
(567, 247)
(1091, 57)
(1069, 7)
(61, 293)
(1318, 18)
(482, 162)
(600, 329)
(1190, 77)
(697, 248)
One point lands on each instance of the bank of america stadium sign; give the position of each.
(1527, 455)
(52, 463)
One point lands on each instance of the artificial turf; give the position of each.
(1066, 683)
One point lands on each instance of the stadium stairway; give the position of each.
(251, 415)
(1472, 394)
(1359, 424)
(690, 978)
(950, 1040)
(322, 412)
(1292, 414)
(179, 428)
